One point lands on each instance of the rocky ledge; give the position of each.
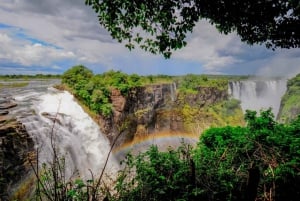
(16, 149)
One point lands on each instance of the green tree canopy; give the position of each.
(257, 162)
(165, 23)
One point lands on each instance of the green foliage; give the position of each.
(52, 183)
(259, 161)
(77, 76)
(191, 83)
(231, 105)
(163, 25)
(290, 105)
(95, 90)
(158, 176)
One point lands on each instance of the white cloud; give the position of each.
(24, 53)
(207, 46)
(73, 27)
(285, 63)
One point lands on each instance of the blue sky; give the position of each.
(42, 36)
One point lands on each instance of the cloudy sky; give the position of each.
(50, 36)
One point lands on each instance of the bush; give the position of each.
(94, 90)
(255, 162)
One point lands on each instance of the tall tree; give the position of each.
(161, 26)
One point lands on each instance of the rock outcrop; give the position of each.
(16, 149)
(160, 108)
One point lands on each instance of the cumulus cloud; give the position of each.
(27, 54)
(45, 33)
(284, 63)
(72, 26)
(213, 50)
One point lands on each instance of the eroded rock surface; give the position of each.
(157, 108)
(16, 149)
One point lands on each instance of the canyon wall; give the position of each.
(16, 150)
(161, 108)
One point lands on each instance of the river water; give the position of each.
(75, 135)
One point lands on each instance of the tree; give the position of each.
(165, 23)
(259, 161)
(76, 74)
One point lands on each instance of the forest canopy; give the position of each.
(161, 26)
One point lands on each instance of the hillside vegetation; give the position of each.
(290, 102)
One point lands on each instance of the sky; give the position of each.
(51, 36)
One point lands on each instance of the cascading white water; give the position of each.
(173, 91)
(77, 137)
(258, 94)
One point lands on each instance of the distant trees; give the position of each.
(161, 26)
(37, 76)
(191, 83)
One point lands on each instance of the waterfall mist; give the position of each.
(259, 94)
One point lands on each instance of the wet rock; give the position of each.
(55, 117)
(15, 148)
(4, 112)
(7, 105)
(2, 119)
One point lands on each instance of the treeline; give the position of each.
(36, 76)
(190, 83)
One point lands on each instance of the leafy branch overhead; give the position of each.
(161, 26)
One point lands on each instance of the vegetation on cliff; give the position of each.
(290, 105)
(94, 90)
(190, 83)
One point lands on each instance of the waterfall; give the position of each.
(258, 94)
(173, 91)
(77, 137)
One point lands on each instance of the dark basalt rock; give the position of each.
(4, 112)
(16, 149)
(17, 153)
(152, 109)
(6, 103)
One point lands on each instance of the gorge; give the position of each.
(155, 109)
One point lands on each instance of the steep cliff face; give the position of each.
(16, 149)
(162, 108)
(290, 104)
